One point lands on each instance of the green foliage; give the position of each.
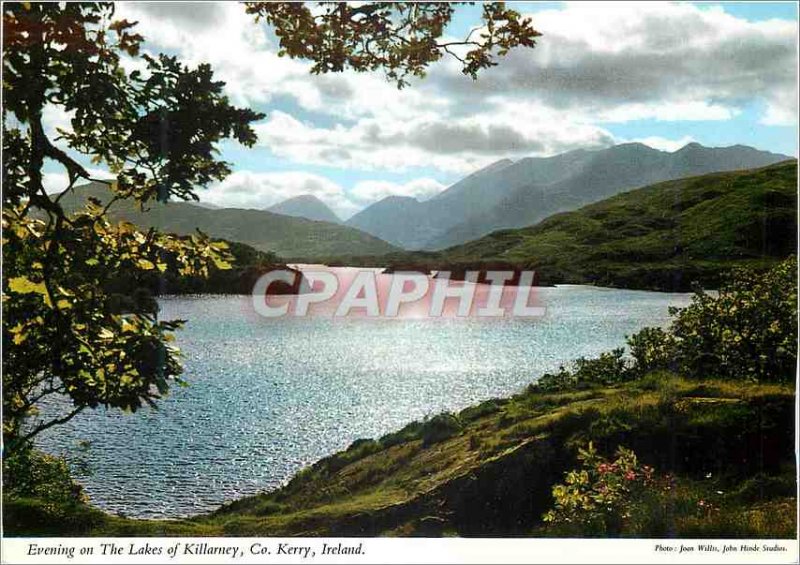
(598, 496)
(156, 130)
(747, 331)
(400, 38)
(29, 473)
(439, 428)
(663, 237)
(608, 369)
(652, 349)
(409, 432)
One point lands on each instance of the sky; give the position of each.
(664, 74)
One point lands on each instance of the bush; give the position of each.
(409, 432)
(29, 473)
(598, 497)
(747, 332)
(440, 428)
(653, 349)
(608, 369)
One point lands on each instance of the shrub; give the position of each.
(440, 427)
(747, 332)
(485, 408)
(29, 473)
(598, 497)
(409, 432)
(653, 349)
(608, 369)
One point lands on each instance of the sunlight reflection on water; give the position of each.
(267, 397)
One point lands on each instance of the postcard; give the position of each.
(399, 282)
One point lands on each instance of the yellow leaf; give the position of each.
(222, 265)
(64, 304)
(22, 285)
(145, 264)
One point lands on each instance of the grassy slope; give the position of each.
(663, 236)
(494, 475)
(657, 235)
(284, 235)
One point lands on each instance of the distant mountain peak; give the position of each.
(510, 194)
(399, 198)
(306, 206)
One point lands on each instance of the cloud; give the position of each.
(244, 55)
(54, 182)
(597, 64)
(189, 16)
(601, 57)
(664, 144)
(457, 146)
(248, 189)
(367, 192)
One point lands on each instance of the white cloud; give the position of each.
(248, 189)
(653, 57)
(243, 55)
(668, 112)
(662, 143)
(367, 192)
(596, 64)
(54, 182)
(459, 145)
(781, 108)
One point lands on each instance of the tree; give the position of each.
(401, 38)
(156, 129)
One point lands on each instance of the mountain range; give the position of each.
(287, 236)
(510, 194)
(306, 206)
(506, 194)
(665, 236)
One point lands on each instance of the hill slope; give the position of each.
(590, 176)
(306, 206)
(286, 236)
(661, 236)
(491, 473)
(515, 194)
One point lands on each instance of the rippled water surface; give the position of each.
(267, 397)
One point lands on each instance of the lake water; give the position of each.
(268, 397)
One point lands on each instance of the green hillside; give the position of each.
(283, 235)
(661, 236)
(489, 470)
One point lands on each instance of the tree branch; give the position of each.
(47, 425)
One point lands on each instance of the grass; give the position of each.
(490, 468)
(660, 237)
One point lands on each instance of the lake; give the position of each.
(268, 397)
